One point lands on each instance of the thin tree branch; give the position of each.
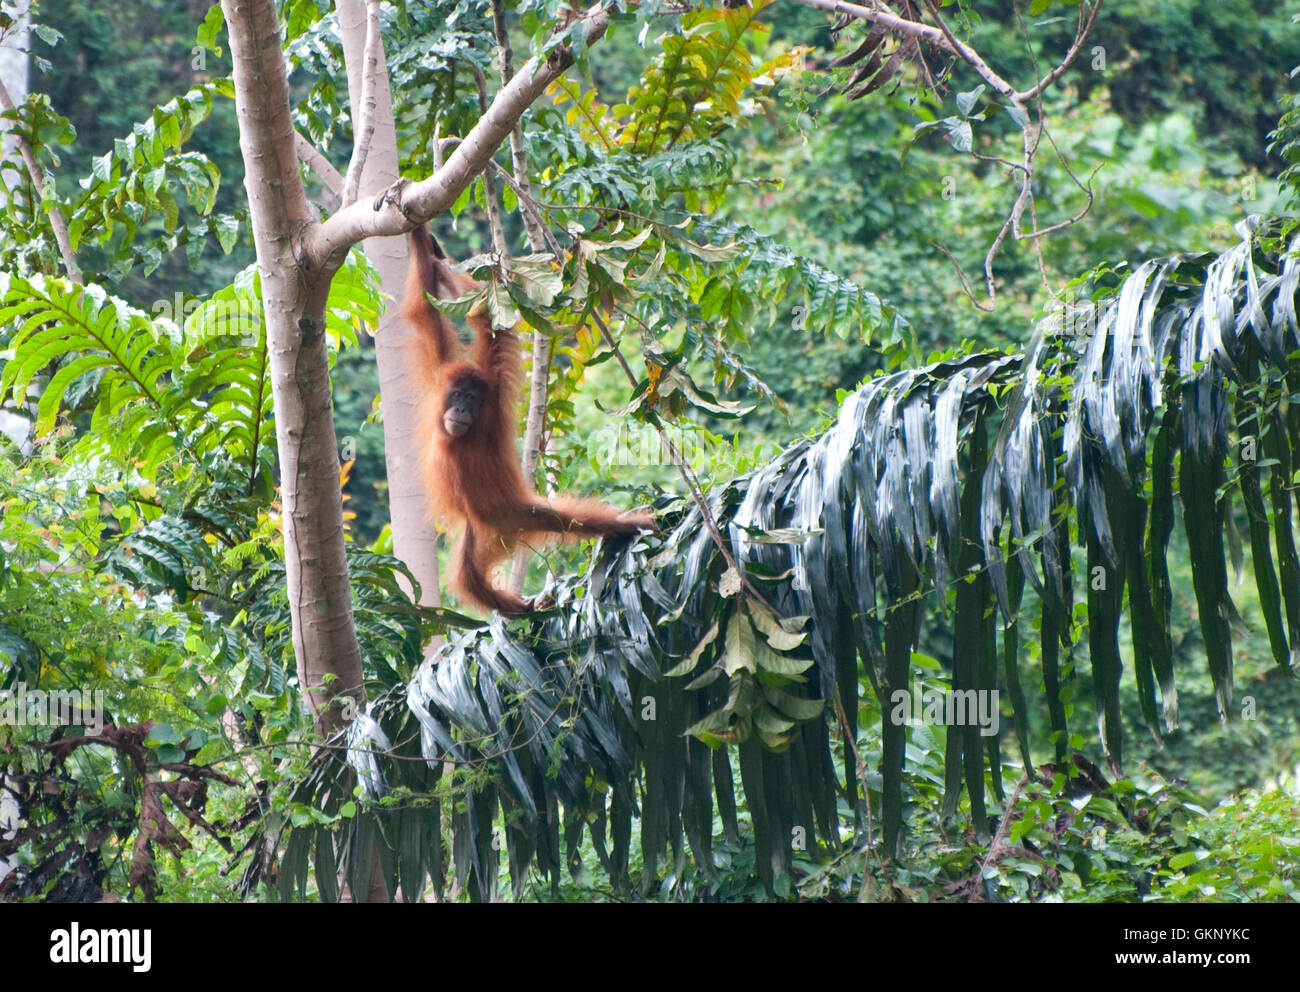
(924, 32)
(1081, 33)
(861, 766)
(961, 275)
(490, 200)
(941, 36)
(532, 207)
(540, 373)
(363, 124)
(419, 202)
(55, 212)
(311, 157)
(692, 483)
(533, 226)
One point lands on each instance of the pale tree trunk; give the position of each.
(374, 167)
(414, 539)
(12, 42)
(13, 80)
(297, 257)
(13, 70)
(293, 304)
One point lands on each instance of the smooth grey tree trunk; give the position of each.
(13, 74)
(414, 539)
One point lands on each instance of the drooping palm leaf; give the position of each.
(988, 475)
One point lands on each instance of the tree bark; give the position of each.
(297, 257)
(294, 293)
(414, 540)
(423, 200)
(13, 80)
(13, 62)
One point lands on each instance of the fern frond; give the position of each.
(81, 330)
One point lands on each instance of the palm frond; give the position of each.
(984, 477)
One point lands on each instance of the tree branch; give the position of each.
(533, 226)
(692, 483)
(490, 200)
(37, 174)
(924, 32)
(311, 157)
(421, 201)
(1081, 33)
(363, 129)
(942, 37)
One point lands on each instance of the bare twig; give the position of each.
(538, 237)
(861, 766)
(521, 183)
(923, 32)
(692, 483)
(1032, 127)
(532, 207)
(961, 275)
(1087, 18)
(999, 841)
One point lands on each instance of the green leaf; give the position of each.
(688, 664)
(1186, 859)
(211, 30)
(777, 633)
(1017, 114)
(966, 101)
(794, 707)
(164, 733)
(738, 655)
(959, 134)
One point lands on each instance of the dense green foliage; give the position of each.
(980, 486)
(773, 260)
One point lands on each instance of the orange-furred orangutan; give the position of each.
(467, 438)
